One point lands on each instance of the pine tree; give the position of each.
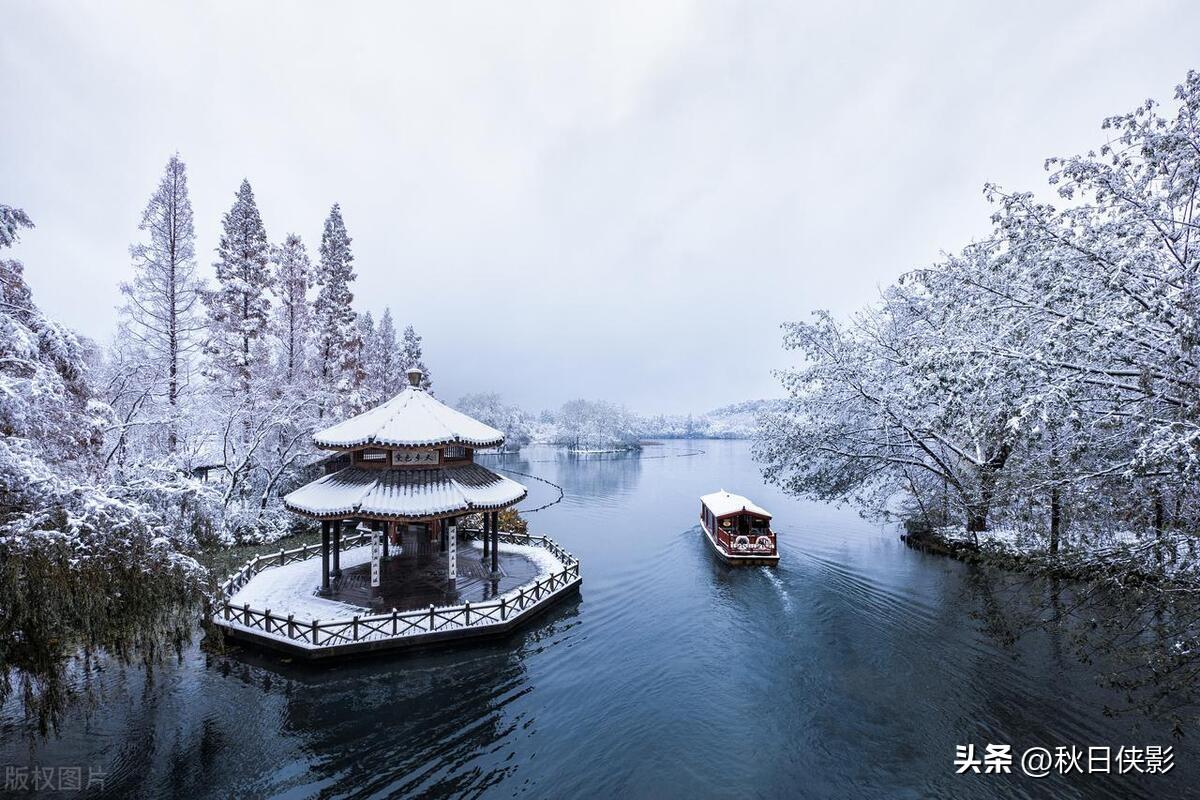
(367, 358)
(391, 375)
(239, 308)
(410, 356)
(162, 301)
(336, 367)
(293, 279)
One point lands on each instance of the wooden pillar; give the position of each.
(487, 535)
(387, 536)
(337, 548)
(495, 543)
(324, 556)
(443, 532)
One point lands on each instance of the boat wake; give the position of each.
(784, 597)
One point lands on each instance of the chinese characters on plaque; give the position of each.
(452, 551)
(376, 554)
(407, 458)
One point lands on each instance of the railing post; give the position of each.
(431, 617)
(354, 629)
(394, 615)
(291, 626)
(315, 629)
(267, 620)
(228, 611)
(503, 609)
(281, 556)
(246, 615)
(521, 598)
(467, 607)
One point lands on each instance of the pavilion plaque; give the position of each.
(424, 457)
(452, 551)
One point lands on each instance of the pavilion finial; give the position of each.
(414, 377)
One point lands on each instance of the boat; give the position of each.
(738, 530)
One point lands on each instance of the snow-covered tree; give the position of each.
(45, 401)
(902, 397)
(84, 564)
(337, 368)
(239, 307)
(365, 357)
(368, 340)
(411, 356)
(293, 279)
(583, 425)
(490, 409)
(162, 302)
(1050, 370)
(389, 375)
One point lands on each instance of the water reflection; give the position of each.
(587, 479)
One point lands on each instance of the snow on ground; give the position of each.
(546, 563)
(1020, 541)
(1173, 554)
(289, 589)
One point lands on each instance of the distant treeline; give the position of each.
(599, 425)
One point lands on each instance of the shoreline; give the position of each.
(1131, 561)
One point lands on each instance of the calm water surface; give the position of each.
(851, 670)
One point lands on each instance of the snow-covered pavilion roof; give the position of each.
(412, 418)
(405, 493)
(723, 502)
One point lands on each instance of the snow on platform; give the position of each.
(291, 589)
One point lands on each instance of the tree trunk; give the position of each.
(1158, 526)
(978, 509)
(173, 322)
(1055, 519)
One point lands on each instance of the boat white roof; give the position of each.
(405, 492)
(412, 418)
(723, 502)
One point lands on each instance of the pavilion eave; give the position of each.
(410, 494)
(372, 441)
(364, 514)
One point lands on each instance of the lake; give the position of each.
(851, 670)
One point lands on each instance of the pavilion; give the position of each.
(407, 468)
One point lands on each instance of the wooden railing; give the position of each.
(397, 624)
(266, 560)
(728, 540)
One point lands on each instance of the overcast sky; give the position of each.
(618, 201)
